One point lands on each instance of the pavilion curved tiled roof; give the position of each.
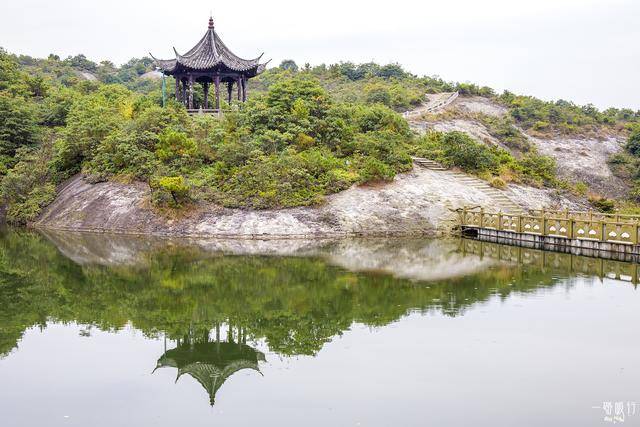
(208, 54)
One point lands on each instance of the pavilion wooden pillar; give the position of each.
(244, 89)
(217, 83)
(190, 93)
(229, 91)
(205, 88)
(184, 92)
(177, 89)
(239, 83)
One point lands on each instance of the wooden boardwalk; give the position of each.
(588, 233)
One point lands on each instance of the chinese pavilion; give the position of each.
(210, 62)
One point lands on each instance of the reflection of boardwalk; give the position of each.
(565, 262)
(211, 362)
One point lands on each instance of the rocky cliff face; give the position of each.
(416, 203)
(579, 158)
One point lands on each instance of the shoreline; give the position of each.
(262, 236)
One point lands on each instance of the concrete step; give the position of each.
(500, 198)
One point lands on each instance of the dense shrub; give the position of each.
(170, 191)
(306, 132)
(633, 143)
(460, 150)
(288, 147)
(18, 125)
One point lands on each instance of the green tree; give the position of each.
(18, 126)
(290, 65)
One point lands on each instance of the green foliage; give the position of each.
(498, 182)
(288, 147)
(306, 132)
(626, 164)
(28, 187)
(362, 71)
(171, 191)
(539, 169)
(460, 150)
(581, 189)
(562, 116)
(504, 129)
(633, 143)
(18, 125)
(173, 145)
(290, 65)
(604, 205)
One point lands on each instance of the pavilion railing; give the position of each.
(609, 228)
(204, 111)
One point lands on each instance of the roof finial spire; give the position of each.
(210, 20)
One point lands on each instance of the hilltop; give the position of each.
(322, 137)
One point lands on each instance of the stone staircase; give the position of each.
(503, 201)
(428, 164)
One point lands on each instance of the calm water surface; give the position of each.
(124, 331)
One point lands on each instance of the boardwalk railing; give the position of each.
(589, 226)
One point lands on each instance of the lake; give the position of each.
(99, 330)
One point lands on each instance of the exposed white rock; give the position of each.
(585, 159)
(415, 203)
(152, 75)
(579, 159)
(86, 76)
(479, 104)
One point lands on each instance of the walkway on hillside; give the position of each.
(435, 103)
(501, 198)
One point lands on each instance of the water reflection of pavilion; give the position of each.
(211, 362)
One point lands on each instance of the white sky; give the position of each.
(581, 50)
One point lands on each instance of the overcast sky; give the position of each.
(587, 51)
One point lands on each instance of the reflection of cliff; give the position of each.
(294, 303)
(211, 363)
(416, 259)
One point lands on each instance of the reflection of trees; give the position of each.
(295, 304)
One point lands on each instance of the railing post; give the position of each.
(570, 226)
(499, 221)
(603, 235)
(519, 224)
(481, 217)
(464, 216)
